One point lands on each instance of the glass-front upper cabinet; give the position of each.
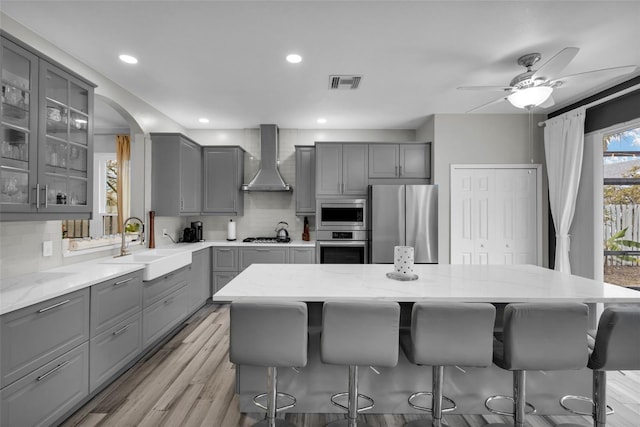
(65, 166)
(18, 128)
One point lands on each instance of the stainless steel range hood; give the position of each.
(268, 177)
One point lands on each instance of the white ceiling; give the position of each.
(225, 60)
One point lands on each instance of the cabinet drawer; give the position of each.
(115, 300)
(160, 317)
(113, 349)
(225, 259)
(35, 335)
(156, 289)
(302, 255)
(221, 279)
(250, 256)
(46, 394)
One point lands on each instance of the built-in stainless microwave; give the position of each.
(341, 214)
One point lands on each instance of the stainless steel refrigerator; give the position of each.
(403, 215)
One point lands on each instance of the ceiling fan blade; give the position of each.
(487, 88)
(552, 67)
(603, 72)
(495, 101)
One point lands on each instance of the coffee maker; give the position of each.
(197, 227)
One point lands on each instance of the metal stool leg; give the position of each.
(352, 402)
(437, 398)
(519, 401)
(272, 402)
(600, 398)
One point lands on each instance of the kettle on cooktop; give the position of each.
(281, 231)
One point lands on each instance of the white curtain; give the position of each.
(563, 146)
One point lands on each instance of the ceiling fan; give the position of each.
(533, 88)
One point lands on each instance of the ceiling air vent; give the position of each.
(344, 82)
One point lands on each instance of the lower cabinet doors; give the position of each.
(113, 349)
(43, 396)
(163, 315)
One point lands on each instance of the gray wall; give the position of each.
(481, 139)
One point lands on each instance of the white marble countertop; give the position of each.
(436, 282)
(21, 291)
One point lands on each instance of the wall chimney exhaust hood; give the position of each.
(268, 177)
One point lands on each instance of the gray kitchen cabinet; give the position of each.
(220, 279)
(176, 175)
(115, 300)
(225, 259)
(305, 190)
(341, 169)
(35, 335)
(156, 289)
(200, 280)
(161, 316)
(223, 175)
(47, 137)
(44, 395)
(113, 349)
(225, 263)
(270, 255)
(400, 160)
(302, 255)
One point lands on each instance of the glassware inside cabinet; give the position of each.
(14, 186)
(56, 153)
(77, 158)
(78, 127)
(77, 195)
(57, 119)
(15, 144)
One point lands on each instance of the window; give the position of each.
(106, 205)
(621, 167)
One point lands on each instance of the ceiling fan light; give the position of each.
(530, 97)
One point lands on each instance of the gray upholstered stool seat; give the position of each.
(447, 334)
(616, 347)
(361, 333)
(539, 336)
(270, 334)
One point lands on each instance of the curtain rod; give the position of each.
(602, 100)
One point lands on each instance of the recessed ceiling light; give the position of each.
(128, 59)
(203, 120)
(322, 120)
(294, 58)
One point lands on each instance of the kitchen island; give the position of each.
(498, 284)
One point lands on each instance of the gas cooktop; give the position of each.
(266, 240)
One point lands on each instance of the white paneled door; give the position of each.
(495, 214)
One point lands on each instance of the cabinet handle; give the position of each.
(57, 368)
(37, 195)
(224, 250)
(46, 199)
(181, 203)
(397, 173)
(122, 282)
(399, 170)
(54, 306)
(121, 330)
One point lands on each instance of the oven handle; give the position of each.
(356, 243)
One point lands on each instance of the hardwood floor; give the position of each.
(189, 381)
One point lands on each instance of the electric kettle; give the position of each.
(282, 233)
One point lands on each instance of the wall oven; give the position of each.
(341, 214)
(342, 247)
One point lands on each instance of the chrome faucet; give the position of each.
(123, 248)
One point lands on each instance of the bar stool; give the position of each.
(616, 347)
(447, 334)
(539, 336)
(357, 333)
(270, 334)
